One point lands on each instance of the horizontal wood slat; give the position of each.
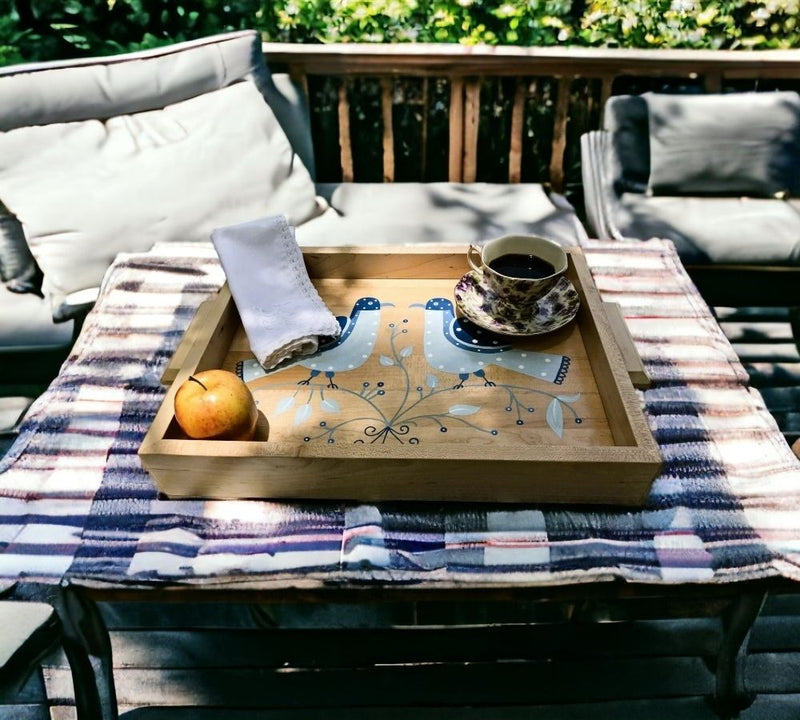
(462, 60)
(664, 709)
(757, 331)
(360, 647)
(412, 685)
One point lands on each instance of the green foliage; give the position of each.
(48, 29)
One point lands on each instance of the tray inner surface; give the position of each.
(381, 387)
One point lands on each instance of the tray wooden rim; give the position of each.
(632, 462)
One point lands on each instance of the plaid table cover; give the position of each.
(75, 503)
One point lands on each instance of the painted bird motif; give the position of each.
(459, 347)
(348, 351)
(352, 347)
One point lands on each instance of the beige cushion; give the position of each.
(732, 144)
(439, 212)
(719, 230)
(87, 190)
(20, 620)
(82, 89)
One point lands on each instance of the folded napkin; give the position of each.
(281, 311)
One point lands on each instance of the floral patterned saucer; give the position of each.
(483, 307)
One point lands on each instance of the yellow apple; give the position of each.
(216, 405)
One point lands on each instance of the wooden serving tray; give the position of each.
(552, 418)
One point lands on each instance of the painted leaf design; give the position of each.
(385, 360)
(463, 409)
(302, 414)
(284, 405)
(431, 381)
(330, 406)
(406, 351)
(555, 417)
(569, 398)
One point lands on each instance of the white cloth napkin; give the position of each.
(281, 311)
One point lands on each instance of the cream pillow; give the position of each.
(85, 191)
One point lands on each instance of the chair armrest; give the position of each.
(599, 197)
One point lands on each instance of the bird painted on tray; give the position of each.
(352, 347)
(348, 351)
(458, 346)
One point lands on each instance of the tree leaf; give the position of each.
(406, 351)
(569, 398)
(555, 417)
(463, 409)
(384, 360)
(431, 381)
(330, 406)
(302, 414)
(284, 405)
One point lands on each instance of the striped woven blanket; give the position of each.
(75, 502)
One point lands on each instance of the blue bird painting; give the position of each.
(352, 347)
(348, 351)
(459, 347)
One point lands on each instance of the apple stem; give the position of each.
(193, 378)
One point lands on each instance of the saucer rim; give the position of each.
(481, 319)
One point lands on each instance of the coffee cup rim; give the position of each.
(557, 270)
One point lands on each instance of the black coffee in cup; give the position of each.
(516, 265)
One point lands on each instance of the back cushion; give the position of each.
(99, 88)
(625, 118)
(87, 190)
(110, 155)
(737, 144)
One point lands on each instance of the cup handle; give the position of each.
(474, 249)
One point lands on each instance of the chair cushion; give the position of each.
(99, 88)
(736, 144)
(110, 155)
(718, 230)
(287, 100)
(26, 323)
(626, 120)
(407, 213)
(21, 622)
(87, 190)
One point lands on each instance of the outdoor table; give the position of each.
(78, 514)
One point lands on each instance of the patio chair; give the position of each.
(30, 632)
(719, 175)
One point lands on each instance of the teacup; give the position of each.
(519, 269)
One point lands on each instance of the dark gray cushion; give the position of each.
(18, 269)
(737, 144)
(718, 230)
(184, 130)
(625, 118)
(408, 213)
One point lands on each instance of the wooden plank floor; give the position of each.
(331, 663)
(766, 340)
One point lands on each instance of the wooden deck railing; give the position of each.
(501, 114)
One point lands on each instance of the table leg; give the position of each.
(88, 649)
(731, 695)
